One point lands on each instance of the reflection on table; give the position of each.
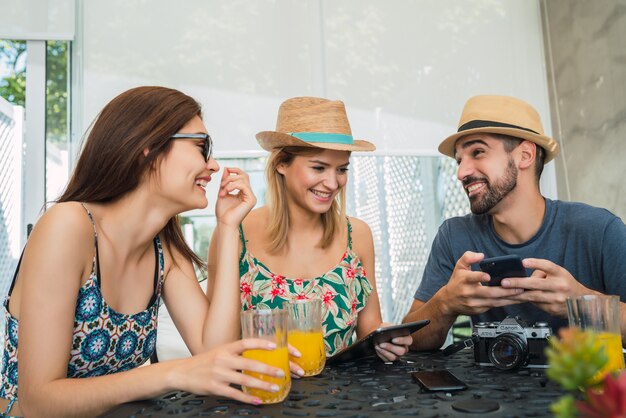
(372, 388)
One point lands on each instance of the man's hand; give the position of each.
(548, 287)
(465, 295)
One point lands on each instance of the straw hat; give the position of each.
(312, 122)
(501, 115)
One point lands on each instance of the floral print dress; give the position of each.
(344, 290)
(104, 341)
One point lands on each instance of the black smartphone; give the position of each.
(365, 346)
(499, 268)
(438, 380)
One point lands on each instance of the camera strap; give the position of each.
(454, 348)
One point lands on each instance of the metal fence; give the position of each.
(404, 199)
(10, 193)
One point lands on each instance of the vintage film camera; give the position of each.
(510, 344)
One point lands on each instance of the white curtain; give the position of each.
(403, 67)
(40, 20)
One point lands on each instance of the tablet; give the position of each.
(365, 346)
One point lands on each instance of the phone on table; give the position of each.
(438, 380)
(499, 268)
(365, 346)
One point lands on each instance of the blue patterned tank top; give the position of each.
(104, 341)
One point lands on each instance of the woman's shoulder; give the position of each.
(66, 218)
(361, 237)
(256, 220)
(63, 235)
(360, 228)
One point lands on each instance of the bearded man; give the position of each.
(569, 249)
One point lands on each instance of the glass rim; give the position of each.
(592, 297)
(264, 311)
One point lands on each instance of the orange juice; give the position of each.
(613, 348)
(276, 358)
(311, 345)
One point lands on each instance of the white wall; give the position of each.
(404, 68)
(37, 19)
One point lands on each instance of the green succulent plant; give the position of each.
(564, 407)
(575, 359)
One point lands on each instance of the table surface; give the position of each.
(371, 388)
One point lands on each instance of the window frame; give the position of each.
(34, 168)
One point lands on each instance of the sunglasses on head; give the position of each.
(208, 142)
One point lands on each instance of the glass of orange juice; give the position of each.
(600, 314)
(305, 334)
(269, 324)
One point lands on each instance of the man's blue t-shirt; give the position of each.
(588, 242)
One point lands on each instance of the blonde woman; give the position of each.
(301, 245)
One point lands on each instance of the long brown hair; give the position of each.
(112, 161)
(277, 200)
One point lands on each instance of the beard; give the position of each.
(495, 192)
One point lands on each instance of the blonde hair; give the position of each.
(277, 200)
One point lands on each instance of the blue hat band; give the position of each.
(324, 137)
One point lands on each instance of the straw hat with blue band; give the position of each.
(312, 122)
(501, 115)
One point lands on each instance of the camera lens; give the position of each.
(508, 351)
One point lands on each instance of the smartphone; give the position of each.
(438, 380)
(499, 268)
(365, 346)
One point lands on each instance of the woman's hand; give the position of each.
(213, 372)
(394, 349)
(235, 198)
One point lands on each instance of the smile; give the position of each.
(321, 195)
(202, 182)
(473, 188)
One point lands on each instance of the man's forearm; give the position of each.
(432, 336)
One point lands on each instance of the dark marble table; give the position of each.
(372, 388)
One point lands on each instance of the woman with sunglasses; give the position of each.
(301, 245)
(85, 296)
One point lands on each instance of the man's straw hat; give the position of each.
(501, 115)
(312, 122)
